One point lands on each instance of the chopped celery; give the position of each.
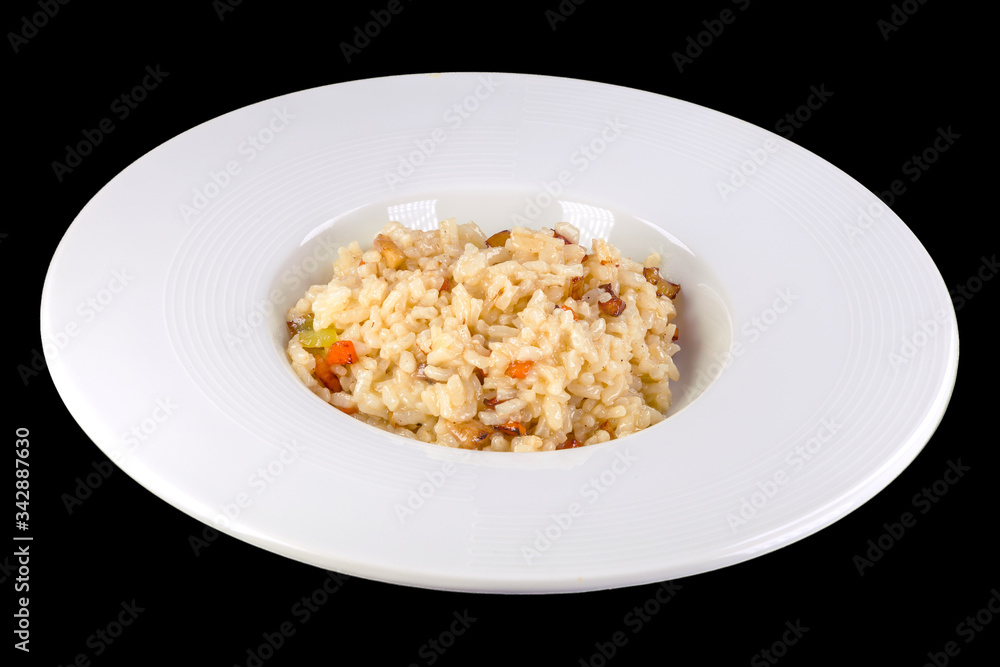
(322, 338)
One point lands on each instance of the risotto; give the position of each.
(522, 341)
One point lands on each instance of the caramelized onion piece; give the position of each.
(613, 306)
(570, 443)
(494, 401)
(499, 239)
(512, 428)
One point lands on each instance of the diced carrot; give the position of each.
(342, 352)
(325, 375)
(519, 369)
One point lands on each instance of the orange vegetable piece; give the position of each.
(325, 375)
(519, 369)
(342, 352)
(512, 428)
(570, 443)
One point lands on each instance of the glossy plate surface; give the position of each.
(819, 343)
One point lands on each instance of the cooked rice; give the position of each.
(443, 338)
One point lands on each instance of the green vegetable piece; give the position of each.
(322, 338)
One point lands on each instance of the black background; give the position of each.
(891, 92)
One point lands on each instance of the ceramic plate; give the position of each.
(819, 344)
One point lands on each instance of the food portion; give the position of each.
(519, 341)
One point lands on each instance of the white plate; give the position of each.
(819, 344)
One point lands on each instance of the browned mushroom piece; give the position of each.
(576, 287)
(470, 435)
(499, 239)
(613, 306)
(390, 252)
(297, 324)
(663, 286)
(557, 235)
